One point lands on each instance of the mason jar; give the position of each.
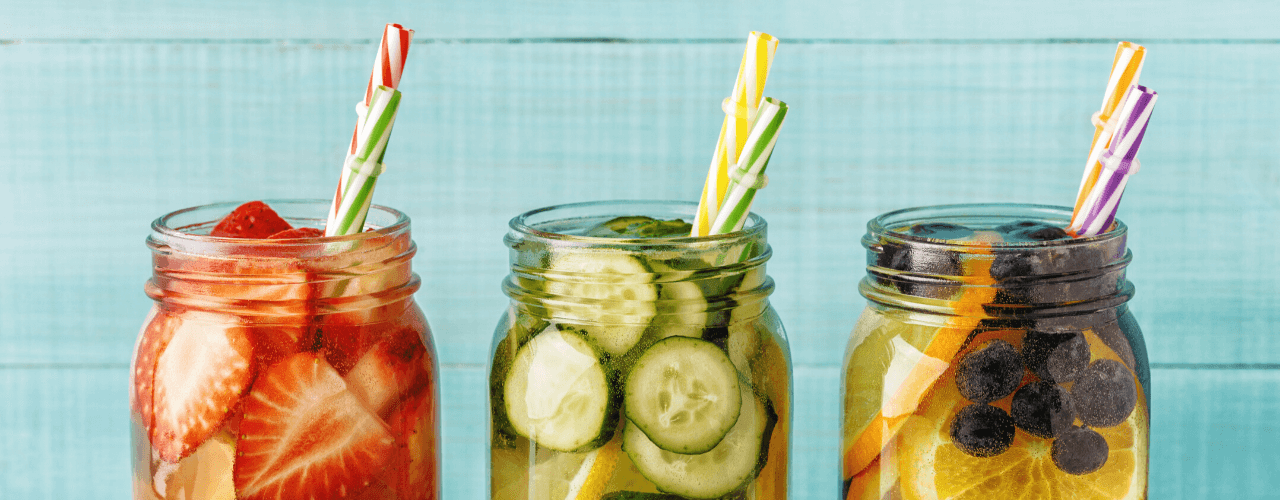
(284, 368)
(637, 367)
(996, 358)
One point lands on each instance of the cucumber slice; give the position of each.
(728, 466)
(683, 392)
(522, 327)
(617, 326)
(556, 393)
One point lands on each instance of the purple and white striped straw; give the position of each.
(1118, 163)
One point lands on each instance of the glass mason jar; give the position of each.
(996, 358)
(294, 367)
(628, 367)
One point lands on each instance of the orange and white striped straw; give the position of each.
(1125, 70)
(739, 110)
(388, 65)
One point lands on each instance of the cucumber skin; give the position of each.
(517, 334)
(505, 435)
(678, 339)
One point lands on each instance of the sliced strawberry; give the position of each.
(297, 232)
(388, 372)
(305, 436)
(344, 338)
(416, 426)
(251, 220)
(155, 335)
(200, 374)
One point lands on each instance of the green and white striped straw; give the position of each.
(362, 169)
(747, 176)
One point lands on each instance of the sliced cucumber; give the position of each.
(683, 392)
(615, 326)
(728, 466)
(556, 393)
(521, 326)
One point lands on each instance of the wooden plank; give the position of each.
(489, 131)
(503, 19)
(1213, 433)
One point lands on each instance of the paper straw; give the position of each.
(388, 65)
(740, 109)
(748, 176)
(1125, 70)
(1118, 163)
(361, 170)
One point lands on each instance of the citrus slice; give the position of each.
(932, 467)
(885, 381)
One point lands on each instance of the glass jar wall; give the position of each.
(996, 358)
(630, 367)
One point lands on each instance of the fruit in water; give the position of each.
(1015, 226)
(940, 231)
(1056, 357)
(982, 430)
(304, 435)
(1031, 231)
(990, 372)
(1104, 394)
(297, 232)
(1079, 451)
(1043, 409)
(200, 374)
(251, 220)
(388, 372)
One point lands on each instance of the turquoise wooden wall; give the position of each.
(112, 113)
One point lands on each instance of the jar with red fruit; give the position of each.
(996, 358)
(278, 363)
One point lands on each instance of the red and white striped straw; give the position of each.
(388, 65)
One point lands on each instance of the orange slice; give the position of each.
(932, 467)
(875, 411)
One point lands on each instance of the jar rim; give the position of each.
(528, 222)
(162, 226)
(884, 224)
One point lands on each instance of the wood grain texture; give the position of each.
(130, 131)
(934, 19)
(115, 113)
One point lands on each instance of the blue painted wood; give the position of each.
(934, 19)
(137, 130)
(116, 113)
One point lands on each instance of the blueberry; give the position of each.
(1015, 226)
(1104, 394)
(990, 372)
(1012, 265)
(921, 263)
(1079, 451)
(982, 430)
(940, 231)
(1026, 231)
(1043, 409)
(1056, 357)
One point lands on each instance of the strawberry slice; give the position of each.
(305, 436)
(297, 232)
(200, 374)
(155, 335)
(251, 220)
(416, 425)
(388, 372)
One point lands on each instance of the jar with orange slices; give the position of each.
(996, 358)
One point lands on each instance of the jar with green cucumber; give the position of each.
(636, 362)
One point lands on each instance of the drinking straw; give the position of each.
(748, 175)
(388, 65)
(740, 109)
(1125, 70)
(361, 170)
(1118, 162)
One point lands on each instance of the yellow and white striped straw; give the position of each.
(739, 110)
(1125, 70)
